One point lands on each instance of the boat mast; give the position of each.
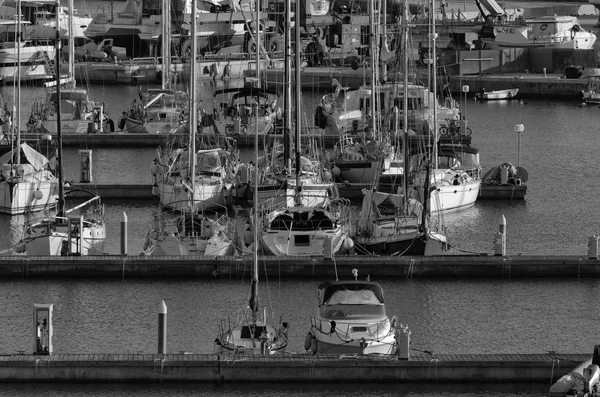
(71, 41)
(166, 45)
(17, 111)
(373, 50)
(193, 100)
(254, 292)
(297, 104)
(433, 37)
(405, 146)
(59, 164)
(287, 100)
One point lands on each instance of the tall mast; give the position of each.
(166, 45)
(254, 291)
(59, 165)
(17, 111)
(434, 83)
(373, 50)
(193, 105)
(71, 41)
(287, 100)
(405, 146)
(298, 99)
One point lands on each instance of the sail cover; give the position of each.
(37, 160)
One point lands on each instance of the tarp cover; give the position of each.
(37, 160)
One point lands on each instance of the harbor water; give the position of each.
(558, 148)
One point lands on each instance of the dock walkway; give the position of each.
(420, 368)
(379, 267)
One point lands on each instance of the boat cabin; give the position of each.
(351, 299)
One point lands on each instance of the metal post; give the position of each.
(162, 328)
(519, 128)
(124, 234)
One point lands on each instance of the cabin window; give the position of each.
(302, 240)
(348, 312)
(252, 332)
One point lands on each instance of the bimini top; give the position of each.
(347, 292)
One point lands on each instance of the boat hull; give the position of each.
(290, 243)
(32, 64)
(42, 243)
(176, 196)
(21, 197)
(417, 244)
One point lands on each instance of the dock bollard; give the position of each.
(403, 338)
(593, 247)
(124, 234)
(162, 328)
(500, 240)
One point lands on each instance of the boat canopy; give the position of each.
(350, 293)
(36, 159)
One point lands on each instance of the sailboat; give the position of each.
(26, 182)
(299, 229)
(192, 232)
(80, 230)
(79, 113)
(403, 226)
(251, 333)
(163, 110)
(452, 188)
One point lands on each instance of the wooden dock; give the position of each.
(377, 267)
(420, 368)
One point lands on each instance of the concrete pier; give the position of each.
(421, 368)
(379, 267)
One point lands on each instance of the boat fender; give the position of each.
(155, 192)
(226, 71)
(122, 123)
(214, 70)
(336, 170)
(154, 168)
(313, 345)
(333, 324)
(206, 70)
(348, 244)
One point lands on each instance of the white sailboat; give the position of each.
(80, 230)
(452, 188)
(251, 333)
(303, 230)
(191, 232)
(26, 182)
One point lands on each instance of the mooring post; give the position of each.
(500, 240)
(593, 247)
(162, 328)
(124, 234)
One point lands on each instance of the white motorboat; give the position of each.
(26, 182)
(42, 15)
(25, 58)
(584, 380)
(484, 95)
(351, 319)
(557, 31)
(138, 27)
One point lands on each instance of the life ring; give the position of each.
(543, 26)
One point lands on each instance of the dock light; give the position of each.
(465, 89)
(519, 128)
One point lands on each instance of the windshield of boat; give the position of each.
(352, 312)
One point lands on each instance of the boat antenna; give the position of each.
(59, 164)
(432, 40)
(71, 42)
(254, 292)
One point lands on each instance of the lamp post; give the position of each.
(519, 128)
(463, 124)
